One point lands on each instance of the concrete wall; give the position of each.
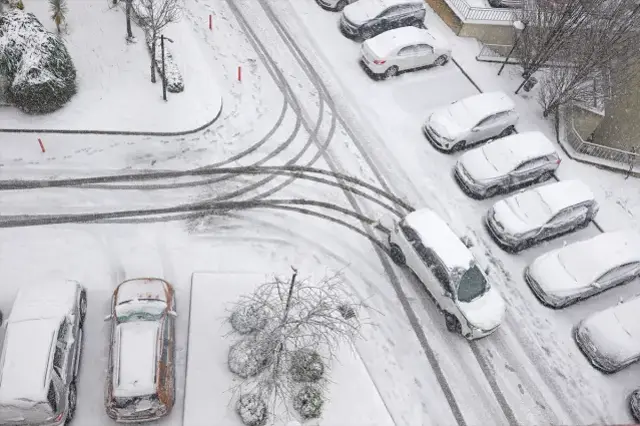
(489, 33)
(446, 14)
(585, 121)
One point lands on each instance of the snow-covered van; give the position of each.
(41, 355)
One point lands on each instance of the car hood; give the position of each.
(486, 312)
(507, 213)
(478, 166)
(609, 339)
(444, 124)
(361, 11)
(552, 277)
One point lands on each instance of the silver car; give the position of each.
(506, 164)
(334, 5)
(581, 270)
(610, 339)
(539, 214)
(41, 355)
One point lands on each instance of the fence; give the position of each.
(471, 13)
(624, 158)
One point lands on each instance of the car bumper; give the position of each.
(371, 67)
(468, 186)
(544, 298)
(327, 5)
(497, 235)
(147, 416)
(478, 333)
(348, 31)
(591, 353)
(435, 141)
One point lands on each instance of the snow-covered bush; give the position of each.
(252, 410)
(308, 402)
(175, 84)
(250, 356)
(248, 319)
(36, 62)
(306, 366)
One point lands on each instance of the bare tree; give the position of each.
(604, 50)
(154, 16)
(282, 320)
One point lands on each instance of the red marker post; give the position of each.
(239, 73)
(210, 22)
(41, 145)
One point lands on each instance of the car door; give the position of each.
(528, 171)
(439, 282)
(165, 382)
(384, 21)
(406, 58)
(63, 353)
(425, 55)
(617, 276)
(566, 220)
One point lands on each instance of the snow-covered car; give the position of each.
(425, 243)
(505, 3)
(368, 18)
(580, 270)
(542, 213)
(140, 380)
(334, 5)
(634, 404)
(506, 164)
(41, 355)
(471, 120)
(610, 339)
(404, 49)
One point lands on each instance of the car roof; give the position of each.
(563, 194)
(488, 103)
(436, 234)
(384, 4)
(383, 44)
(47, 300)
(527, 145)
(599, 254)
(136, 357)
(26, 356)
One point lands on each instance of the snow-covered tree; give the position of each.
(291, 330)
(154, 16)
(58, 10)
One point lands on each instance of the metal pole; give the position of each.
(164, 75)
(522, 84)
(509, 55)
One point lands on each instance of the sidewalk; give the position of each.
(115, 95)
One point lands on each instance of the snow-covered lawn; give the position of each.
(209, 392)
(114, 88)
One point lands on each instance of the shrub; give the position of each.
(248, 319)
(308, 402)
(306, 366)
(252, 410)
(249, 356)
(36, 62)
(175, 84)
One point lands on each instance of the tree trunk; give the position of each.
(58, 26)
(153, 59)
(128, 10)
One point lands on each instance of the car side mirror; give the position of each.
(173, 313)
(108, 317)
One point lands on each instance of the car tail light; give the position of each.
(57, 419)
(379, 61)
(559, 160)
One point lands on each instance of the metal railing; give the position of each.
(470, 13)
(624, 158)
(497, 53)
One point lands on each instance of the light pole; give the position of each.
(519, 26)
(164, 74)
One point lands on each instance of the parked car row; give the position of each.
(42, 347)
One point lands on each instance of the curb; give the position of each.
(118, 132)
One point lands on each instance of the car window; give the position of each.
(62, 332)
(409, 233)
(424, 49)
(532, 164)
(390, 12)
(569, 215)
(487, 121)
(621, 272)
(406, 51)
(51, 398)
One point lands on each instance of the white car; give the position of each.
(538, 214)
(334, 5)
(580, 270)
(471, 120)
(610, 339)
(507, 163)
(404, 49)
(425, 243)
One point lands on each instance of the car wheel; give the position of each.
(519, 247)
(492, 191)
(544, 177)
(453, 325)
(341, 5)
(396, 255)
(391, 72)
(441, 60)
(72, 401)
(83, 307)
(459, 146)
(418, 24)
(366, 33)
(0, 318)
(506, 132)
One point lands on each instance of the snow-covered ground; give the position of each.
(114, 88)
(209, 390)
(529, 371)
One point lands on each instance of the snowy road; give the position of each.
(529, 372)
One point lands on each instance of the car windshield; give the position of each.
(472, 284)
(140, 310)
